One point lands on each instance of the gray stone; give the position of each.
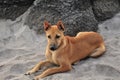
(11, 9)
(105, 9)
(77, 15)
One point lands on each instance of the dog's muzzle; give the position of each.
(53, 47)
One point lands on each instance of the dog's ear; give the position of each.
(60, 25)
(46, 25)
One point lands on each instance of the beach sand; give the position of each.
(21, 49)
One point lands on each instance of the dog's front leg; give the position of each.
(38, 66)
(50, 71)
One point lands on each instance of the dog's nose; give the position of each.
(53, 47)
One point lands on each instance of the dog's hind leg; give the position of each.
(99, 51)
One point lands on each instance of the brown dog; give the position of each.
(64, 50)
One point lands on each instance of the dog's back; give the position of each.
(83, 45)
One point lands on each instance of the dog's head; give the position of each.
(55, 34)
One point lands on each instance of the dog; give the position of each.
(65, 50)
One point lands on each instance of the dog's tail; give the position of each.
(99, 51)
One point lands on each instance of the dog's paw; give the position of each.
(29, 72)
(39, 77)
(36, 78)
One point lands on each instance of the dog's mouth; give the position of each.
(53, 47)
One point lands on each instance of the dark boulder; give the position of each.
(105, 9)
(77, 15)
(11, 9)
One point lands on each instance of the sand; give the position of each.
(21, 49)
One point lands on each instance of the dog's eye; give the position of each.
(57, 36)
(49, 36)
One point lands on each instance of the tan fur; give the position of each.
(69, 49)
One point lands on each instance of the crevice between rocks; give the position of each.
(92, 4)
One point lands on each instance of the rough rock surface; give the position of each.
(105, 9)
(11, 9)
(77, 15)
(21, 49)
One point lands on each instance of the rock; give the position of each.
(11, 9)
(105, 9)
(77, 15)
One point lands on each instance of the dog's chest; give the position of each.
(53, 58)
